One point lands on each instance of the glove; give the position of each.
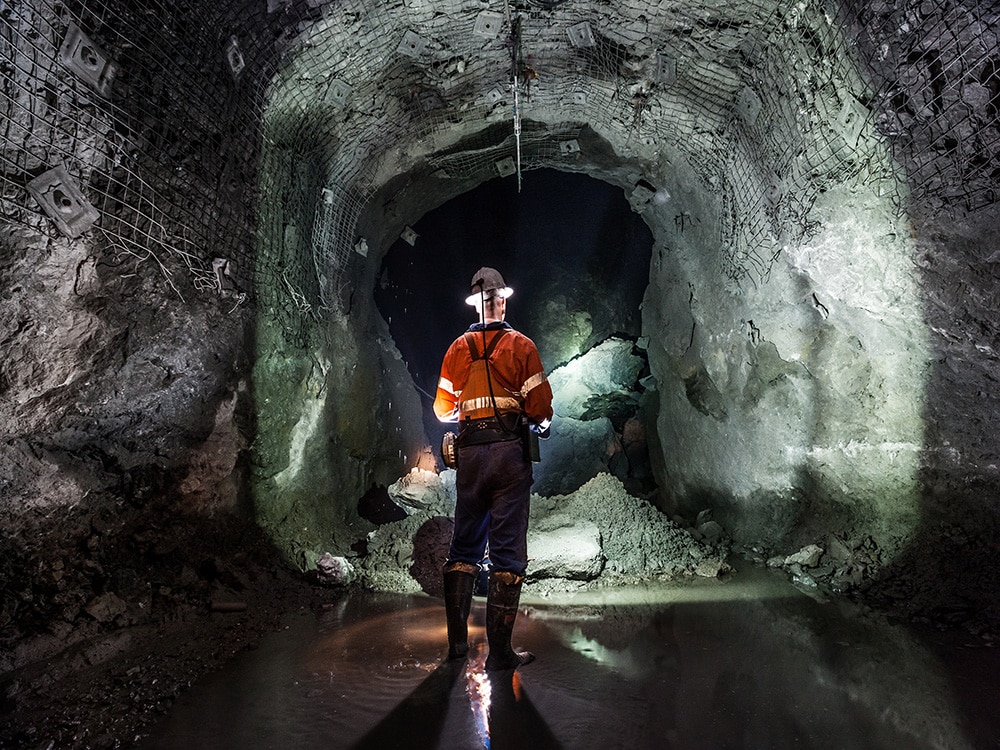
(542, 432)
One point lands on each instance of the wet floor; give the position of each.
(750, 662)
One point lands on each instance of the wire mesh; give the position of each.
(158, 162)
(938, 98)
(258, 132)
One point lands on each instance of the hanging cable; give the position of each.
(515, 84)
(517, 132)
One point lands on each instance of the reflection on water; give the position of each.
(746, 663)
(480, 691)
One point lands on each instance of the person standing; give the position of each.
(492, 383)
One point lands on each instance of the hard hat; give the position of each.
(486, 283)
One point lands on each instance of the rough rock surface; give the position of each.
(422, 490)
(611, 367)
(573, 552)
(406, 556)
(99, 639)
(599, 534)
(596, 428)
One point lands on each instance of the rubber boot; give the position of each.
(501, 612)
(459, 579)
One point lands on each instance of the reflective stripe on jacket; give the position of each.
(519, 382)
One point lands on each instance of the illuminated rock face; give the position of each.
(768, 238)
(804, 395)
(819, 321)
(596, 397)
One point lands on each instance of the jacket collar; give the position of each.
(495, 325)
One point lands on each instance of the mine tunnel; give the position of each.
(755, 244)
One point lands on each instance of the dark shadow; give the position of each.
(569, 245)
(430, 550)
(418, 720)
(513, 720)
(376, 506)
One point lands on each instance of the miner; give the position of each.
(492, 383)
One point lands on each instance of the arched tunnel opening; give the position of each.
(578, 258)
(759, 393)
(218, 224)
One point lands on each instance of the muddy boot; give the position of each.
(501, 611)
(458, 581)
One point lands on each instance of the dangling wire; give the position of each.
(515, 83)
(517, 133)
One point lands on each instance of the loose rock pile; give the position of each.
(835, 565)
(598, 535)
(637, 541)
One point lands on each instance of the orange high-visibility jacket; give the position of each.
(519, 382)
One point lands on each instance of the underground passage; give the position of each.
(753, 245)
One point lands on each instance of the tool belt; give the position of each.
(489, 430)
(484, 431)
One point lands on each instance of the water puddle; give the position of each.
(745, 663)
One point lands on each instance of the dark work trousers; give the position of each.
(493, 484)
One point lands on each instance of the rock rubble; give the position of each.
(596, 536)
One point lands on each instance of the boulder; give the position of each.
(421, 490)
(336, 571)
(106, 607)
(572, 552)
(807, 557)
(608, 368)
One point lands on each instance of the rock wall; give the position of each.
(125, 370)
(820, 181)
(332, 423)
(795, 405)
(112, 388)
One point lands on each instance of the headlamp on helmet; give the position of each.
(487, 283)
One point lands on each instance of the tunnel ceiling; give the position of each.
(756, 103)
(162, 118)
